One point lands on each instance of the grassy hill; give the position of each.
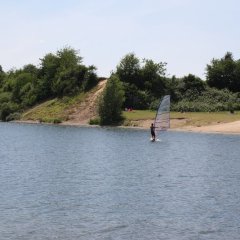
(77, 109)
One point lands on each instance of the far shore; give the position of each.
(176, 125)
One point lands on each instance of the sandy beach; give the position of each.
(179, 125)
(224, 128)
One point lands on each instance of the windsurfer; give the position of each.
(153, 132)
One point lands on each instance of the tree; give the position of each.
(110, 104)
(2, 76)
(68, 58)
(30, 68)
(18, 83)
(63, 74)
(224, 73)
(172, 88)
(128, 70)
(90, 78)
(6, 109)
(135, 98)
(191, 87)
(153, 77)
(48, 70)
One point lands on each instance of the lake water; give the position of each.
(70, 183)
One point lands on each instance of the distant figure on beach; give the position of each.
(153, 132)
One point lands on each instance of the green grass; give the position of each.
(56, 110)
(53, 111)
(193, 119)
(205, 118)
(139, 115)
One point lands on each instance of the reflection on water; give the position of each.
(106, 183)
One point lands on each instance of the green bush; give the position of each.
(13, 116)
(135, 98)
(5, 97)
(94, 121)
(154, 105)
(57, 120)
(6, 109)
(111, 101)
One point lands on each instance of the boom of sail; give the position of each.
(162, 119)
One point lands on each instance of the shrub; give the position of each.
(6, 109)
(111, 101)
(57, 120)
(94, 121)
(13, 116)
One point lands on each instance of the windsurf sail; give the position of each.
(162, 119)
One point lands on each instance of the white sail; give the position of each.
(162, 120)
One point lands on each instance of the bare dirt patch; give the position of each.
(87, 109)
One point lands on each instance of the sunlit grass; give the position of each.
(139, 115)
(193, 118)
(58, 109)
(53, 110)
(205, 118)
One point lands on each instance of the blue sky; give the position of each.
(187, 34)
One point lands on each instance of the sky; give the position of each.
(186, 34)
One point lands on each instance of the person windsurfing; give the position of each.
(153, 132)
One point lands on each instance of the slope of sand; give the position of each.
(230, 128)
(87, 109)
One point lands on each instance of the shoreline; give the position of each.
(231, 128)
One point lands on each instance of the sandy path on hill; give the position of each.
(87, 109)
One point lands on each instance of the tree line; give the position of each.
(144, 83)
(135, 83)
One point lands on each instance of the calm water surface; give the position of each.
(70, 183)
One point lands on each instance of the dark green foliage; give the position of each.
(110, 104)
(90, 79)
(145, 83)
(2, 76)
(5, 97)
(48, 71)
(65, 80)
(135, 98)
(65, 83)
(22, 86)
(224, 73)
(63, 74)
(142, 82)
(189, 88)
(6, 109)
(154, 105)
(211, 100)
(59, 75)
(13, 116)
(94, 121)
(153, 77)
(57, 120)
(129, 70)
(172, 88)
(193, 83)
